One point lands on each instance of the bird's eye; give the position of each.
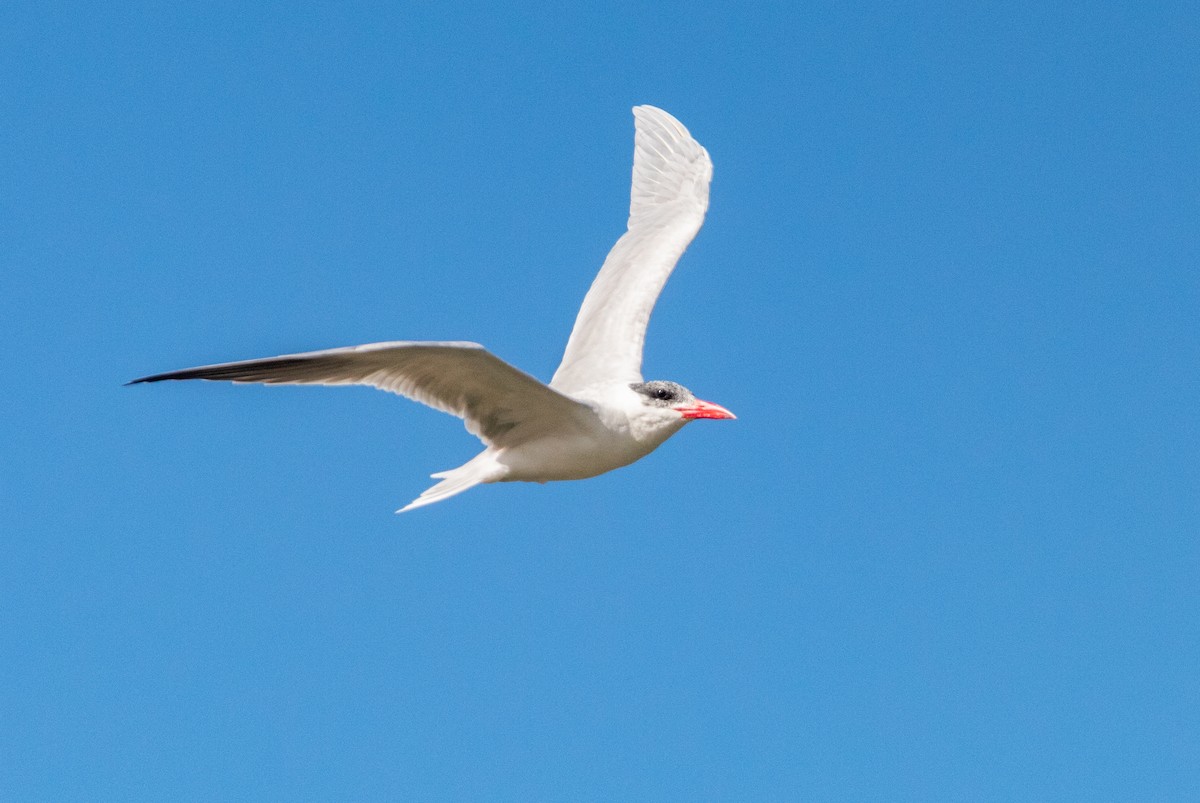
(663, 394)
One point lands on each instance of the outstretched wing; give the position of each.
(671, 174)
(500, 404)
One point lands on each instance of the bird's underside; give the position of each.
(596, 414)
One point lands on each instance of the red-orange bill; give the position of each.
(703, 409)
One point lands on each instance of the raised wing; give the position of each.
(500, 404)
(671, 174)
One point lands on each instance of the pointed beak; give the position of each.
(703, 409)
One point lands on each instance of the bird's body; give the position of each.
(596, 414)
(619, 432)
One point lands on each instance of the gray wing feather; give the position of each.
(668, 199)
(498, 403)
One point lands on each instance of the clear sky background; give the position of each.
(949, 283)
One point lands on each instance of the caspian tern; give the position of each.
(597, 413)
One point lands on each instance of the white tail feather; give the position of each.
(482, 468)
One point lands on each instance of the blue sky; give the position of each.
(948, 282)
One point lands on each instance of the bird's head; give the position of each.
(662, 395)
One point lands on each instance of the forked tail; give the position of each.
(482, 468)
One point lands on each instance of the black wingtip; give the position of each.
(142, 380)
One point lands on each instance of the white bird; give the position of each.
(597, 413)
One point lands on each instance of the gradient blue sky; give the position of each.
(949, 283)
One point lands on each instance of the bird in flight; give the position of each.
(597, 413)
